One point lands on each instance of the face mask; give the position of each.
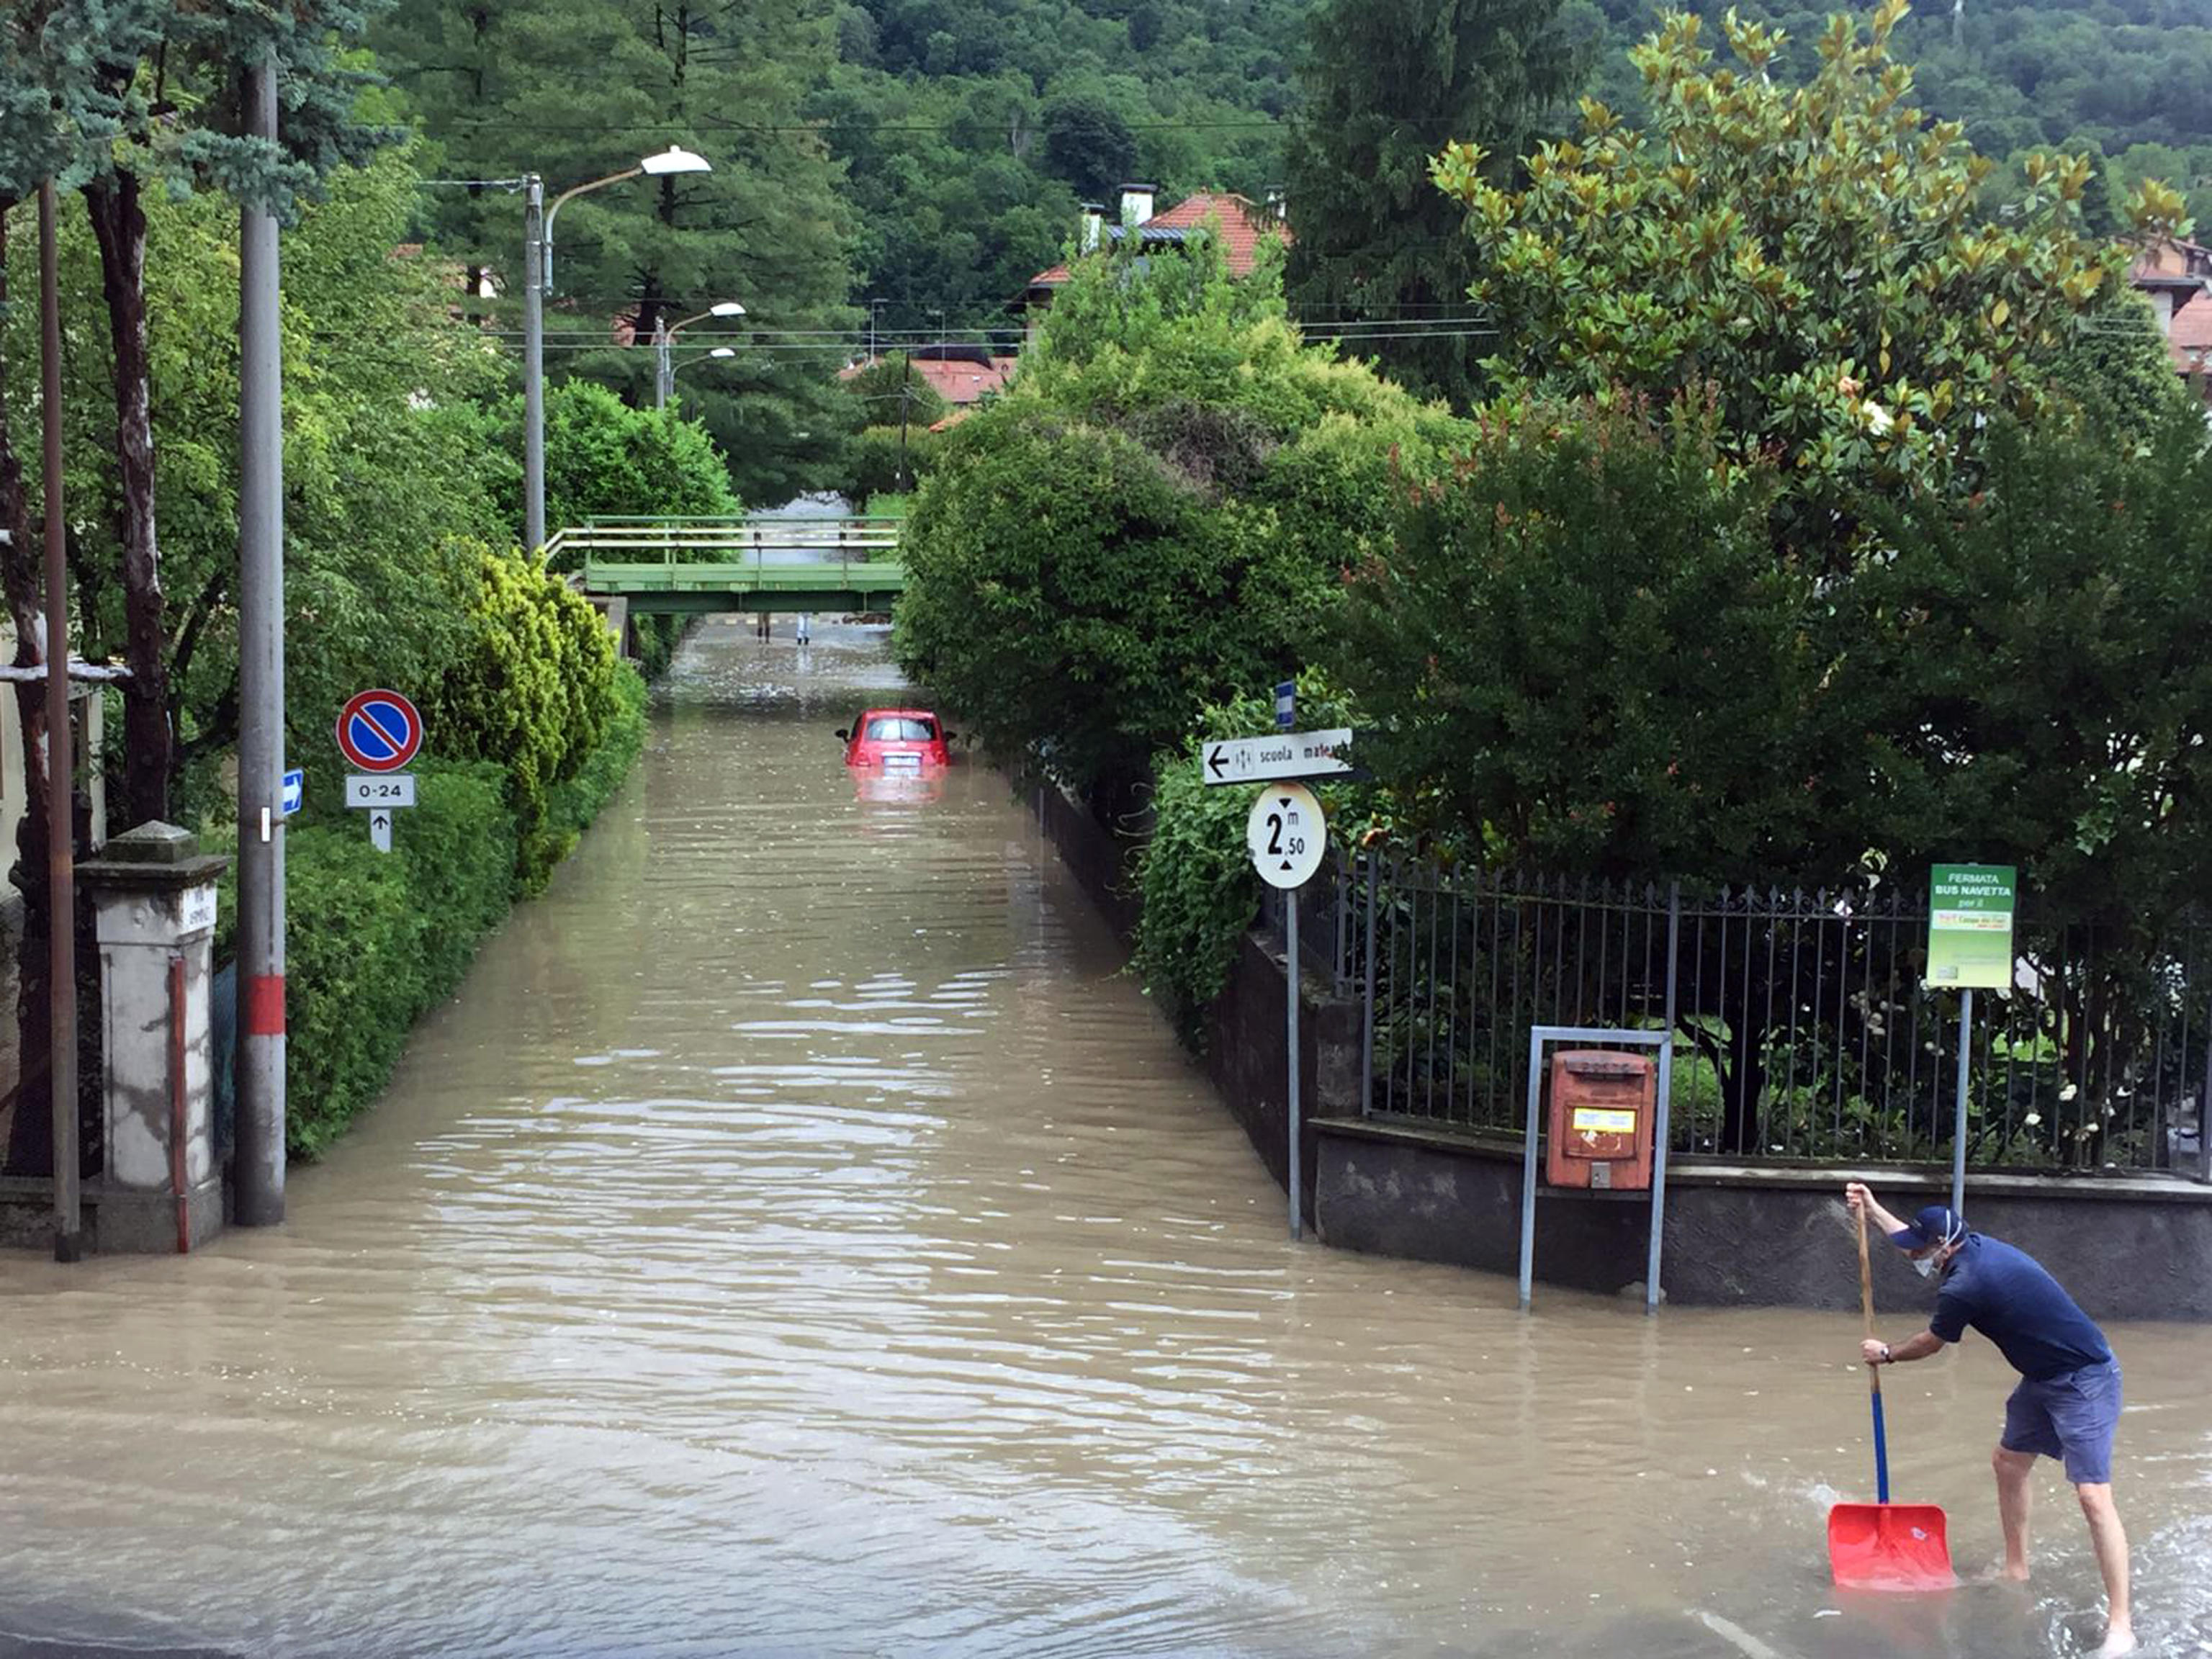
(1925, 1266)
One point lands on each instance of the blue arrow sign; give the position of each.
(295, 791)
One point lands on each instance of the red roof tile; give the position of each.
(959, 382)
(1242, 224)
(2189, 340)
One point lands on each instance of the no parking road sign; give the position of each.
(380, 732)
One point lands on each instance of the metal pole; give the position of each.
(533, 361)
(906, 396)
(1661, 1130)
(2204, 1119)
(662, 374)
(258, 1171)
(1367, 1023)
(1291, 1026)
(1528, 1171)
(1959, 1129)
(61, 768)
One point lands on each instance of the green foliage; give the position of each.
(603, 457)
(534, 691)
(577, 89)
(2118, 371)
(1154, 517)
(2029, 666)
(1814, 255)
(971, 130)
(387, 462)
(888, 386)
(1387, 84)
(377, 940)
(574, 805)
(1065, 589)
(882, 460)
(90, 88)
(1582, 653)
(1195, 874)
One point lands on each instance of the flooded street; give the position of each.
(799, 1238)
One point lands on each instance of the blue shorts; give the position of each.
(2071, 1417)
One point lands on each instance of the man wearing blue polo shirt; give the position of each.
(2068, 1403)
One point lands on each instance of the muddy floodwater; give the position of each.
(799, 1238)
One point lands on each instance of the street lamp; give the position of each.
(664, 337)
(718, 351)
(537, 277)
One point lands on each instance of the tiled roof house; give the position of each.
(1240, 222)
(2177, 276)
(962, 375)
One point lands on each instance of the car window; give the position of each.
(889, 728)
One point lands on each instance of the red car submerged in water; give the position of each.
(891, 741)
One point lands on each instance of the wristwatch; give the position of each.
(1884, 1354)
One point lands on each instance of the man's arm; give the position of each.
(1915, 1347)
(1858, 1193)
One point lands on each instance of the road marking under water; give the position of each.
(1743, 1638)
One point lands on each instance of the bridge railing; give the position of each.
(727, 552)
(709, 555)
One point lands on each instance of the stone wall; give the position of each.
(2128, 1248)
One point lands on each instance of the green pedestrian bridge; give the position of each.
(698, 567)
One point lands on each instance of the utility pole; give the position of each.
(533, 361)
(260, 1166)
(61, 769)
(663, 370)
(906, 398)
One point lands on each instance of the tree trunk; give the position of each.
(30, 1131)
(118, 221)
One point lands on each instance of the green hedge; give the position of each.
(375, 941)
(574, 805)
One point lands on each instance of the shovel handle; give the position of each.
(1873, 1372)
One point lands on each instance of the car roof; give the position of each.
(900, 713)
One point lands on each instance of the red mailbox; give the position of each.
(1602, 1106)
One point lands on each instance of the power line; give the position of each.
(714, 124)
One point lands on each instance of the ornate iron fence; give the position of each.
(1802, 1031)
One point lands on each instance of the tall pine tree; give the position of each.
(1388, 83)
(573, 90)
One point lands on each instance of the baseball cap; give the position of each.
(1939, 1223)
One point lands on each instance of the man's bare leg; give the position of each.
(2014, 1470)
(2110, 1540)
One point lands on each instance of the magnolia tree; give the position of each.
(1815, 254)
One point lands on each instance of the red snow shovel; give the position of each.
(1884, 1545)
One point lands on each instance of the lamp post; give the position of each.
(664, 340)
(718, 351)
(537, 216)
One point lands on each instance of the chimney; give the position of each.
(1136, 204)
(1094, 226)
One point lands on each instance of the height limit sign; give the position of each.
(380, 732)
(1286, 834)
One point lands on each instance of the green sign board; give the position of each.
(1969, 926)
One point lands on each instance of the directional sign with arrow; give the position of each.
(380, 828)
(1280, 755)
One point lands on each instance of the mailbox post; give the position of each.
(154, 896)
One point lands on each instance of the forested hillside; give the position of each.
(910, 163)
(970, 128)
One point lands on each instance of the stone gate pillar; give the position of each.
(154, 894)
